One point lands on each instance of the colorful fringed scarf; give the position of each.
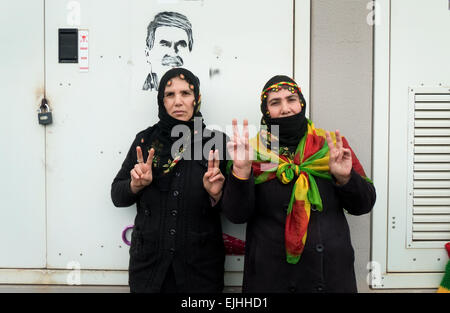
(310, 160)
(445, 283)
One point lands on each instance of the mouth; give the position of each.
(179, 112)
(172, 61)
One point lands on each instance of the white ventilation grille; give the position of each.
(429, 193)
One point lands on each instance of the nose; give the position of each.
(178, 100)
(285, 109)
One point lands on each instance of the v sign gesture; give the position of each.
(141, 174)
(239, 149)
(213, 179)
(340, 159)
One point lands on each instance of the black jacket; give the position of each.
(327, 262)
(175, 225)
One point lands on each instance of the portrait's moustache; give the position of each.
(172, 61)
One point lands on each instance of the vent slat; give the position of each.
(432, 193)
(432, 218)
(431, 236)
(432, 114)
(431, 184)
(431, 210)
(432, 158)
(431, 149)
(432, 167)
(433, 106)
(432, 132)
(435, 123)
(432, 141)
(441, 97)
(432, 175)
(431, 201)
(431, 227)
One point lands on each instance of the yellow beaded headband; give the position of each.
(276, 87)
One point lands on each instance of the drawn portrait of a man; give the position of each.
(169, 41)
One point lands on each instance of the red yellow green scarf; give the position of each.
(310, 160)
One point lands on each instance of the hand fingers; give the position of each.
(217, 178)
(216, 159)
(329, 141)
(215, 175)
(210, 160)
(246, 144)
(338, 139)
(212, 174)
(207, 174)
(140, 158)
(138, 170)
(245, 132)
(150, 157)
(232, 149)
(346, 153)
(235, 130)
(146, 179)
(134, 174)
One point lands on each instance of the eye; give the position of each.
(181, 43)
(186, 93)
(293, 99)
(165, 43)
(169, 94)
(274, 103)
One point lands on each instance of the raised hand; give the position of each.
(340, 159)
(238, 148)
(213, 179)
(141, 174)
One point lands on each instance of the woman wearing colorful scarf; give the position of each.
(176, 244)
(292, 190)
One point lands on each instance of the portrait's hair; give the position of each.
(172, 19)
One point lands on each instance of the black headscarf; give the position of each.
(160, 138)
(291, 128)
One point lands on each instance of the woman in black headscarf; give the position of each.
(176, 243)
(290, 184)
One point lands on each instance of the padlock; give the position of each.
(44, 118)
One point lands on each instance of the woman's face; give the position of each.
(283, 103)
(179, 99)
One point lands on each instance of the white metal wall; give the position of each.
(66, 218)
(22, 140)
(411, 52)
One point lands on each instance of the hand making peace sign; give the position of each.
(239, 150)
(141, 174)
(213, 179)
(340, 159)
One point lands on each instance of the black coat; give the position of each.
(175, 225)
(327, 262)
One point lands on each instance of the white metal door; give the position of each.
(22, 139)
(419, 62)
(237, 47)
